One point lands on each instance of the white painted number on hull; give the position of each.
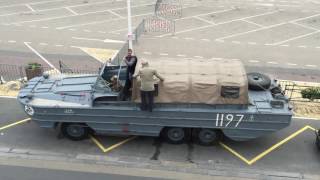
(224, 120)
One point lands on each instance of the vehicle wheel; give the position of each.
(175, 135)
(206, 137)
(258, 81)
(75, 131)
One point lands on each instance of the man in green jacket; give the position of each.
(146, 75)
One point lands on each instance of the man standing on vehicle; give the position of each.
(147, 85)
(131, 62)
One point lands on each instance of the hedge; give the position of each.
(311, 93)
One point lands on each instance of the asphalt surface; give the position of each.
(278, 37)
(298, 157)
(27, 173)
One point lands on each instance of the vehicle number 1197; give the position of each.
(224, 120)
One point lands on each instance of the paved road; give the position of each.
(27, 173)
(298, 157)
(273, 36)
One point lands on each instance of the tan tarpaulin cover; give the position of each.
(196, 81)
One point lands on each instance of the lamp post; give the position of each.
(130, 36)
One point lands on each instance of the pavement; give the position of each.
(27, 173)
(277, 37)
(289, 153)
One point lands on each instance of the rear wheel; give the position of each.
(75, 131)
(175, 135)
(206, 137)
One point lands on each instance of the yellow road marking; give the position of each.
(269, 150)
(105, 150)
(235, 153)
(14, 124)
(101, 55)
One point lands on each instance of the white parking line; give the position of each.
(252, 43)
(208, 40)
(32, 3)
(297, 37)
(302, 25)
(302, 46)
(43, 44)
(217, 24)
(116, 14)
(204, 20)
(163, 54)
(255, 30)
(86, 30)
(268, 44)
(28, 6)
(70, 10)
(116, 19)
(201, 57)
(147, 53)
(250, 22)
(99, 22)
(272, 62)
(219, 40)
(204, 14)
(268, 27)
(87, 13)
(181, 55)
(43, 58)
(59, 45)
(311, 65)
(100, 40)
(188, 38)
(291, 64)
(12, 41)
(235, 42)
(254, 61)
(44, 27)
(285, 45)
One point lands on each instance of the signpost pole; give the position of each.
(129, 24)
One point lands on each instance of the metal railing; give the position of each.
(17, 72)
(293, 91)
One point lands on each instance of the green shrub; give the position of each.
(34, 65)
(311, 93)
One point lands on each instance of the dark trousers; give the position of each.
(126, 90)
(146, 100)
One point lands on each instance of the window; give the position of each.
(230, 92)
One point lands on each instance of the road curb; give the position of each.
(210, 168)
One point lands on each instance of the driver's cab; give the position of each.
(109, 85)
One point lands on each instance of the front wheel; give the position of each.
(206, 137)
(75, 131)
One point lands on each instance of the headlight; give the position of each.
(29, 110)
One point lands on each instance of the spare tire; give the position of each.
(258, 81)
